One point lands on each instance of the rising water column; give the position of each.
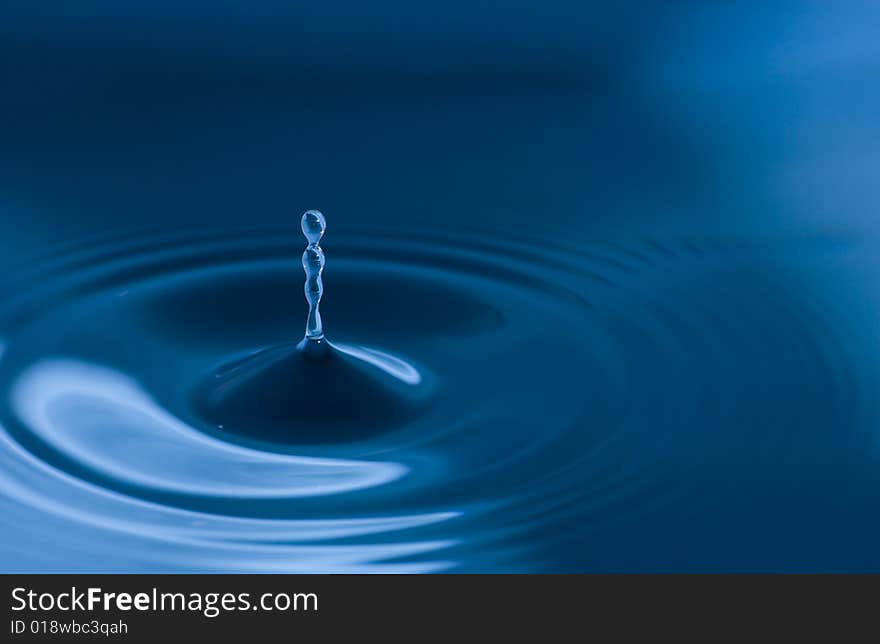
(313, 227)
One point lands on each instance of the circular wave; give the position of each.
(596, 408)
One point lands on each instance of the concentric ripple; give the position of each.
(631, 405)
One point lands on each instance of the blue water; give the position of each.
(504, 404)
(600, 289)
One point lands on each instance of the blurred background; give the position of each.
(575, 117)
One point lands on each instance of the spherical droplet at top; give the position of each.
(313, 225)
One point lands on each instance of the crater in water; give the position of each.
(286, 394)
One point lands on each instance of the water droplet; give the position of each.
(313, 227)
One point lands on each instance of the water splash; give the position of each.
(269, 392)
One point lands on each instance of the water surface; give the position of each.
(500, 404)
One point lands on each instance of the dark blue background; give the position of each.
(569, 116)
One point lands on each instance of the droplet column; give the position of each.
(313, 227)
